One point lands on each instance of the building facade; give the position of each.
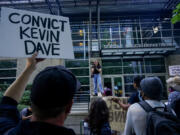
(126, 43)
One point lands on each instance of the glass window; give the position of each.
(166, 25)
(83, 80)
(126, 36)
(7, 73)
(111, 70)
(133, 70)
(78, 63)
(155, 69)
(115, 35)
(115, 28)
(154, 61)
(116, 42)
(105, 28)
(133, 66)
(7, 81)
(77, 43)
(105, 35)
(8, 64)
(94, 36)
(94, 28)
(128, 79)
(79, 55)
(167, 33)
(129, 89)
(118, 86)
(75, 29)
(111, 62)
(77, 36)
(105, 43)
(80, 72)
(107, 83)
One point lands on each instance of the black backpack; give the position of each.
(160, 123)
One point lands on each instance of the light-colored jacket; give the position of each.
(136, 118)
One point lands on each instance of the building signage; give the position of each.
(23, 32)
(139, 45)
(174, 70)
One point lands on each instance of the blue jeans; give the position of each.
(97, 81)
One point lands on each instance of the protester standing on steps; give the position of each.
(96, 70)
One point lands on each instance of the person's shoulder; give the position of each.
(133, 98)
(135, 107)
(136, 112)
(30, 127)
(135, 94)
(70, 132)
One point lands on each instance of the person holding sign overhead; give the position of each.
(52, 95)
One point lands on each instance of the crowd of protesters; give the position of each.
(52, 95)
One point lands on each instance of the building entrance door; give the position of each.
(114, 83)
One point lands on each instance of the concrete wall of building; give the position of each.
(173, 59)
(40, 66)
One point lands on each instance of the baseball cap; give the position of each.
(174, 82)
(152, 87)
(54, 87)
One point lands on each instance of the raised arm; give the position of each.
(16, 89)
(124, 106)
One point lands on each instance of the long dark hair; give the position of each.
(98, 115)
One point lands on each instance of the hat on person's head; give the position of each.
(152, 87)
(54, 87)
(174, 82)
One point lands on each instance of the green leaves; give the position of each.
(176, 15)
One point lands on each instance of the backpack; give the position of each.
(160, 123)
(176, 107)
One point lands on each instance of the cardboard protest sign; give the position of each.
(24, 32)
(117, 116)
(174, 70)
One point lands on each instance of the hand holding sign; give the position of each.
(115, 99)
(32, 61)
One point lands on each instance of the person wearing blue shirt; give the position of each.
(135, 97)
